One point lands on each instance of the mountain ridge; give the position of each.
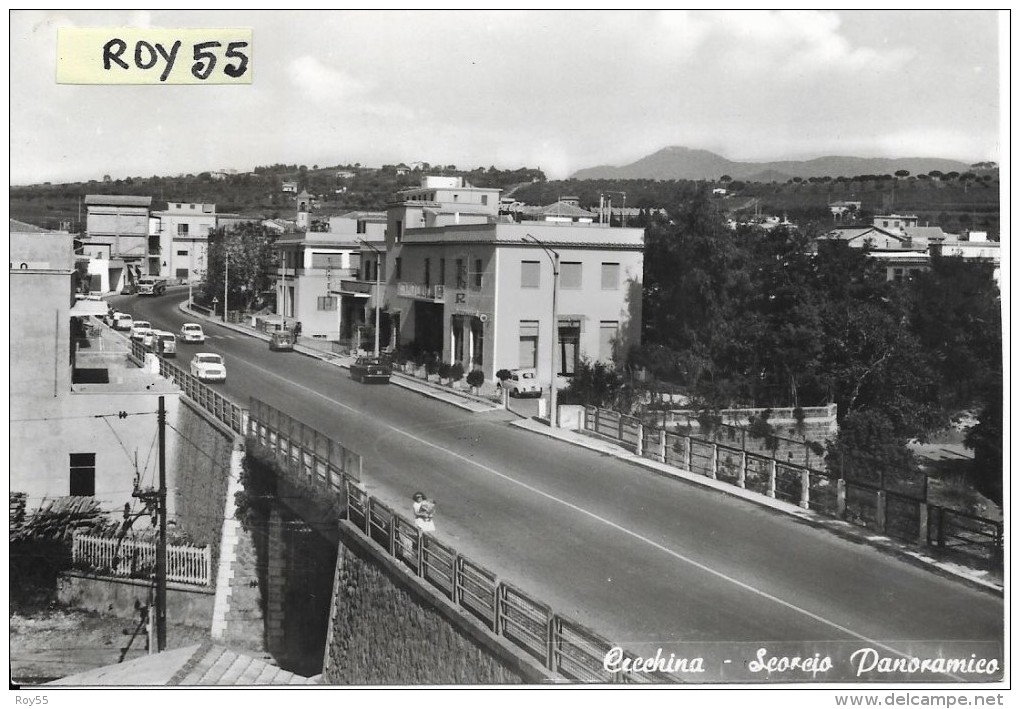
(682, 163)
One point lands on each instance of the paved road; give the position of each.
(647, 561)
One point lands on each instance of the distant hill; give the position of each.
(678, 163)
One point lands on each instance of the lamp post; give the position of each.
(554, 258)
(226, 272)
(378, 255)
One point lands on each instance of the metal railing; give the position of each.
(132, 558)
(222, 408)
(876, 504)
(559, 643)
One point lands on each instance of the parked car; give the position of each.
(165, 343)
(149, 339)
(523, 382)
(192, 333)
(138, 327)
(208, 367)
(122, 321)
(281, 340)
(371, 369)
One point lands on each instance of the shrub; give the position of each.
(431, 364)
(456, 372)
(503, 374)
(476, 378)
(444, 371)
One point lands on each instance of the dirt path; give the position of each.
(50, 644)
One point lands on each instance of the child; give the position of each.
(424, 509)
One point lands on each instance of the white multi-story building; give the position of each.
(183, 237)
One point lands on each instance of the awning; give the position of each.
(89, 307)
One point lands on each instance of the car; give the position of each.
(165, 343)
(192, 333)
(149, 339)
(208, 367)
(138, 328)
(122, 321)
(281, 340)
(371, 369)
(523, 382)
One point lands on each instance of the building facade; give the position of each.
(183, 237)
(66, 435)
(478, 289)
(121, 224)
(311, 268)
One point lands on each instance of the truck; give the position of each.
(149, 285)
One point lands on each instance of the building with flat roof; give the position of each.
(477, 288)
(179, 249)
(119, 225)
(73, 377)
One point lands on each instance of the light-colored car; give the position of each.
(138, 328)
(122, 321)
(523, 382)
(165, 343)
(208, 367)
(149, 338)
(191, 333)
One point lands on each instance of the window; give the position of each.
(608, 331)
(182, 273)
(326, 302)
(191, 206)
(83, 475)
(400, 230)
(321, 260)
(461, 274)
(478, 273)
(485, 199)
(528, 349)
(368, 270)
(182, 230)
(396, 267)
(442, 271)
(570, 275)
(530, 274)
(610, 276)
(182, 253)
(428, 272)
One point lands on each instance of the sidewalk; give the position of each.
(912, 553)
(321, 350)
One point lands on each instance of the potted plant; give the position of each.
(444, 372)
(456, 373)
(475, 379)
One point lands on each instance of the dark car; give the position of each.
(282, 340)
(371, 369)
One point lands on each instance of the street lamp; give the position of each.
(378, 256)
(226, 271)
(554, 258)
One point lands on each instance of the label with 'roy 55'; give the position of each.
(134, 55)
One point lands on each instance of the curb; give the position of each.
(844, 530)
(396, 378)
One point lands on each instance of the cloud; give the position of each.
(320, 83)
(775, 44)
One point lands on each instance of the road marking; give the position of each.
(610, 523)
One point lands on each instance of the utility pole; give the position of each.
(161, 542)
(226, 273)
(554, 259)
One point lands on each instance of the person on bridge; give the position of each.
(424, 509)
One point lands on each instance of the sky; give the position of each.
(557, 90)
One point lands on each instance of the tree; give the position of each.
(985, 439)
(725, 179)
(596, 384)
(902, 173)
(868, 449)
(250, 260)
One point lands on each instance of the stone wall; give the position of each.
(185, 605)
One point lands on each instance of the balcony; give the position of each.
(418, 291)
